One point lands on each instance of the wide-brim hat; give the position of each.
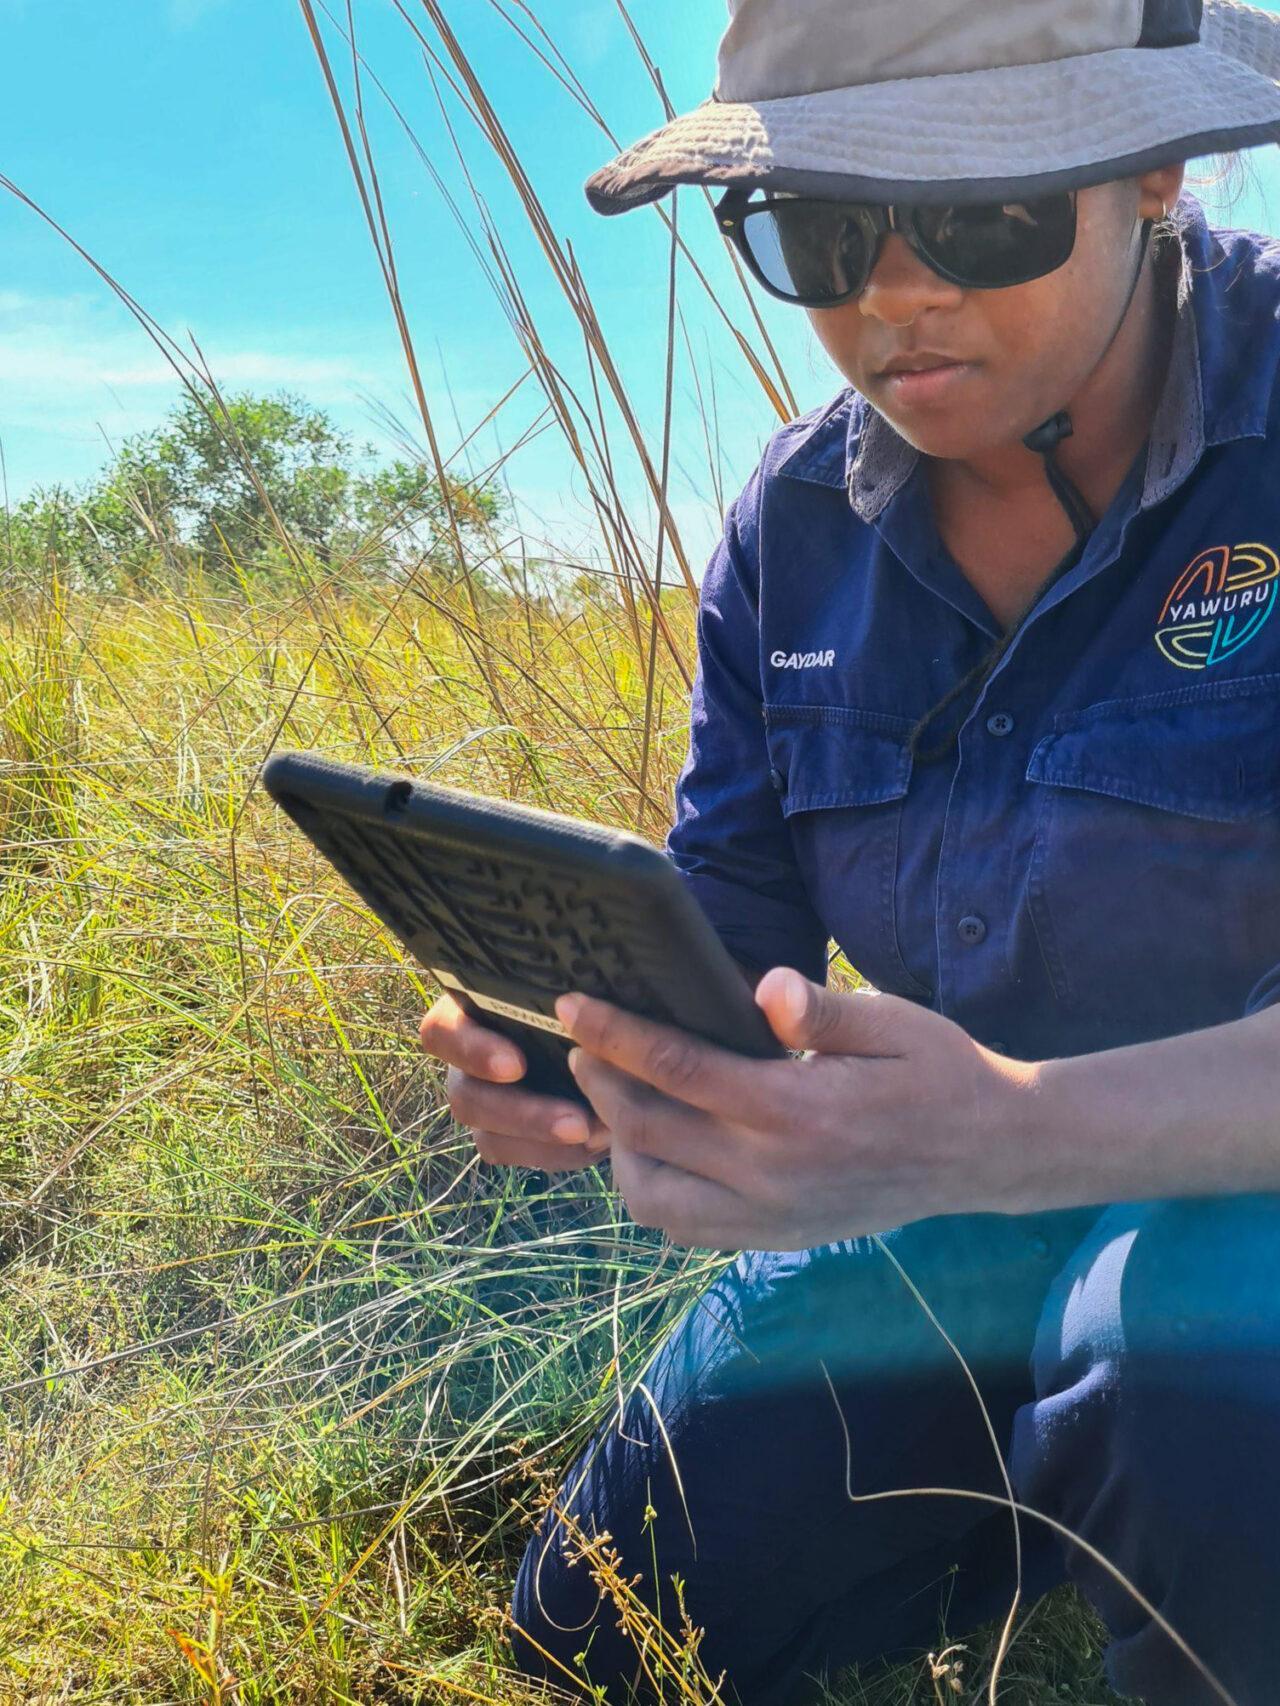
(961, 100)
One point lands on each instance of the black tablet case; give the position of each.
(509, 907)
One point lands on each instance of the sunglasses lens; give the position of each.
(811, 252)
(994, 245)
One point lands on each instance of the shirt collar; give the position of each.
(1218, 387)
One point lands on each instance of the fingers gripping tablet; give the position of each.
(510, 907)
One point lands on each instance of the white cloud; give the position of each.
(591, 35)
(58, 344)
(185, 14)
(257, 368)
(77, 374)
(51, 366)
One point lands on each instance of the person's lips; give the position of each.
(924, 376)
(918, 361)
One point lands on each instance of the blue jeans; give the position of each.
(1129, 1358)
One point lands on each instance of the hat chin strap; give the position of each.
(1046, 438)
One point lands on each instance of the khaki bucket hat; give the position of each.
(961, 100)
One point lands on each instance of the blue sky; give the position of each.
(190, 147)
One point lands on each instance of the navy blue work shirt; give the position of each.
(1097, 862)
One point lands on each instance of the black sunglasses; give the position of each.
(818, 253)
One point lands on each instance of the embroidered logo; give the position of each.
(1218, 604)
(802, 660)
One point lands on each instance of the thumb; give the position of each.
(803, 1015)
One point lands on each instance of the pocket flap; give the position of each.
(826, 756)
(1208, 752)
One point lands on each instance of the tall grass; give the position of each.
(285, 1371)
(271, 1338)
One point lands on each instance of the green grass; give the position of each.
(287, 1372)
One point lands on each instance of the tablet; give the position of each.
(509, 907)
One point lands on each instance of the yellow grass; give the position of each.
(285, 1372)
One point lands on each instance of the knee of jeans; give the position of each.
(1148, 1344)
(1152, 1435)
(1156, 1286)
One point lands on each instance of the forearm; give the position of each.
(1191, 1115)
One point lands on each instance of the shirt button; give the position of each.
(972, 930)
(778, 780)
(1000, 724)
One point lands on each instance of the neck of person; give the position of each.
(1111, 415)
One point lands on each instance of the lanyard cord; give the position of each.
(1044, 440)
(969, 686)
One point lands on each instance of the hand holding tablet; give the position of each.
(509, 907)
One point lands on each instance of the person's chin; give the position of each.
(938, 413)
(944, 440)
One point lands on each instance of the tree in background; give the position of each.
(243, 486)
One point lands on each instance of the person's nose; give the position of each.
(902, 287)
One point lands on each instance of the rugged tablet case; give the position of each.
(509, 907)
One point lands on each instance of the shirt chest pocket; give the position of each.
(842, 775)
(1156, 857)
